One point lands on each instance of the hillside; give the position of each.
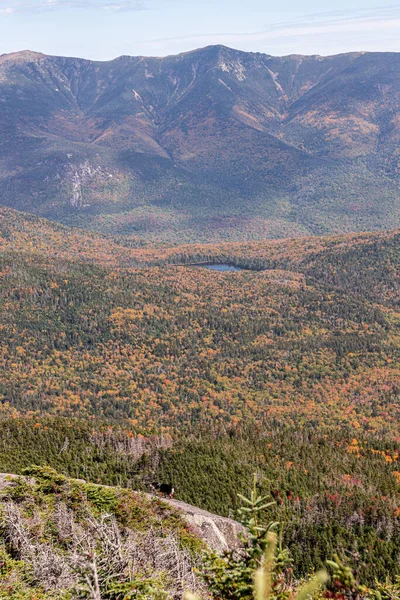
(310, 332)
(332, 491)
(63, 539)
(123, 365)
(210, 145)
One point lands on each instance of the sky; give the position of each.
(105, 29)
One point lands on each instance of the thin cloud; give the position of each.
(28, 6)
(386, 18)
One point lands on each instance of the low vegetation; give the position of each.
(68, 539)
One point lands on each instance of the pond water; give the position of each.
(222, 267)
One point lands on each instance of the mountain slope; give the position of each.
(316, 479)
(63, 538)
(212, 144)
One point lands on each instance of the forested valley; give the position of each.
(123, 365)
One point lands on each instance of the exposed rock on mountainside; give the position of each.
(210, 144)
(218, 532)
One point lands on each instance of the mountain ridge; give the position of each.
(210, 145)
(35, 53)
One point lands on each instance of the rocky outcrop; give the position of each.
(219, 533)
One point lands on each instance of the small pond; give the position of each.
(221, 267)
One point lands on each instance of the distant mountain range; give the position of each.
(214, 144)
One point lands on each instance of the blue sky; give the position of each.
(104, 29)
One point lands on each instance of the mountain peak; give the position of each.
(21, 56)
(220, 49)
